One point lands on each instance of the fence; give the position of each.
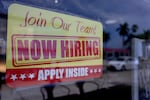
(144, 80)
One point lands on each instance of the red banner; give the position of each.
(40, 76)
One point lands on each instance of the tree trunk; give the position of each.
(123, 38)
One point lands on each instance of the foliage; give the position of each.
(123, 30)
(106, 36)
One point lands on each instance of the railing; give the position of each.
(144, 80)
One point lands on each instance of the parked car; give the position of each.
(123, 63)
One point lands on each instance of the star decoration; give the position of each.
(22, 76)
(31, 75)
(95, 70)
(99, 70)
(14, 77)
(91, 71)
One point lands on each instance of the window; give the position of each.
(61, 44)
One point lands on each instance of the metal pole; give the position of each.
(135, 90)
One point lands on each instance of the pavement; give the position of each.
(118, 92)
(111, 86)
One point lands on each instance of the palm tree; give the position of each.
(106, 37)
(128, 41)
(131, 35)
(145, 35)
(134, 28)
(123, 31)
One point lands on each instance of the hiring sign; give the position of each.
(46, 47)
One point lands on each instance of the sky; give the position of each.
(114, 12)
(110, 13)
